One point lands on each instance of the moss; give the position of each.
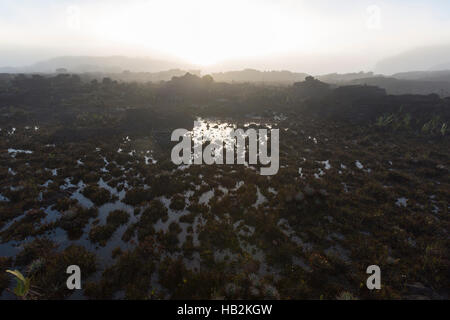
(74, 221)
(165, 185)
(34, 249)
(137, 196)
(172, 273)
(399, 177)
(97, 195)
(131, 273)
(116, 252)
(178, 202)
(50, 281)
(188, 246)
(5, 263)
(129, 232)
(409, 242)
(24, 227)
(118, 217)
(219, 235)
(149, 217)
(375, 190)
(169, 241)
(188, 218)
(65, 204)
(101, 234)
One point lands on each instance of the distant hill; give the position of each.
(442, 66)
(443, 75)
(310, 88)
(415, 82)
(129, 69)
(402, 86)
(252, 75)
(344, 77)
(425, 58)
(112, 64)
(128, 76)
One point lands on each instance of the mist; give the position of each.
(214, 36)
(210, 152)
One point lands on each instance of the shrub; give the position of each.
(97, 195)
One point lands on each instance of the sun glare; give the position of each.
(202, 32)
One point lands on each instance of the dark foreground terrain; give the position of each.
(86, 179)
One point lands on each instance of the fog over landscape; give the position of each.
(315, 37)
(243, 150)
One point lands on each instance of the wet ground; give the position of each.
(343, 199)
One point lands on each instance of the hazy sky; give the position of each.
(312, 36)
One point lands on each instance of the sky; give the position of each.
(306, 36)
